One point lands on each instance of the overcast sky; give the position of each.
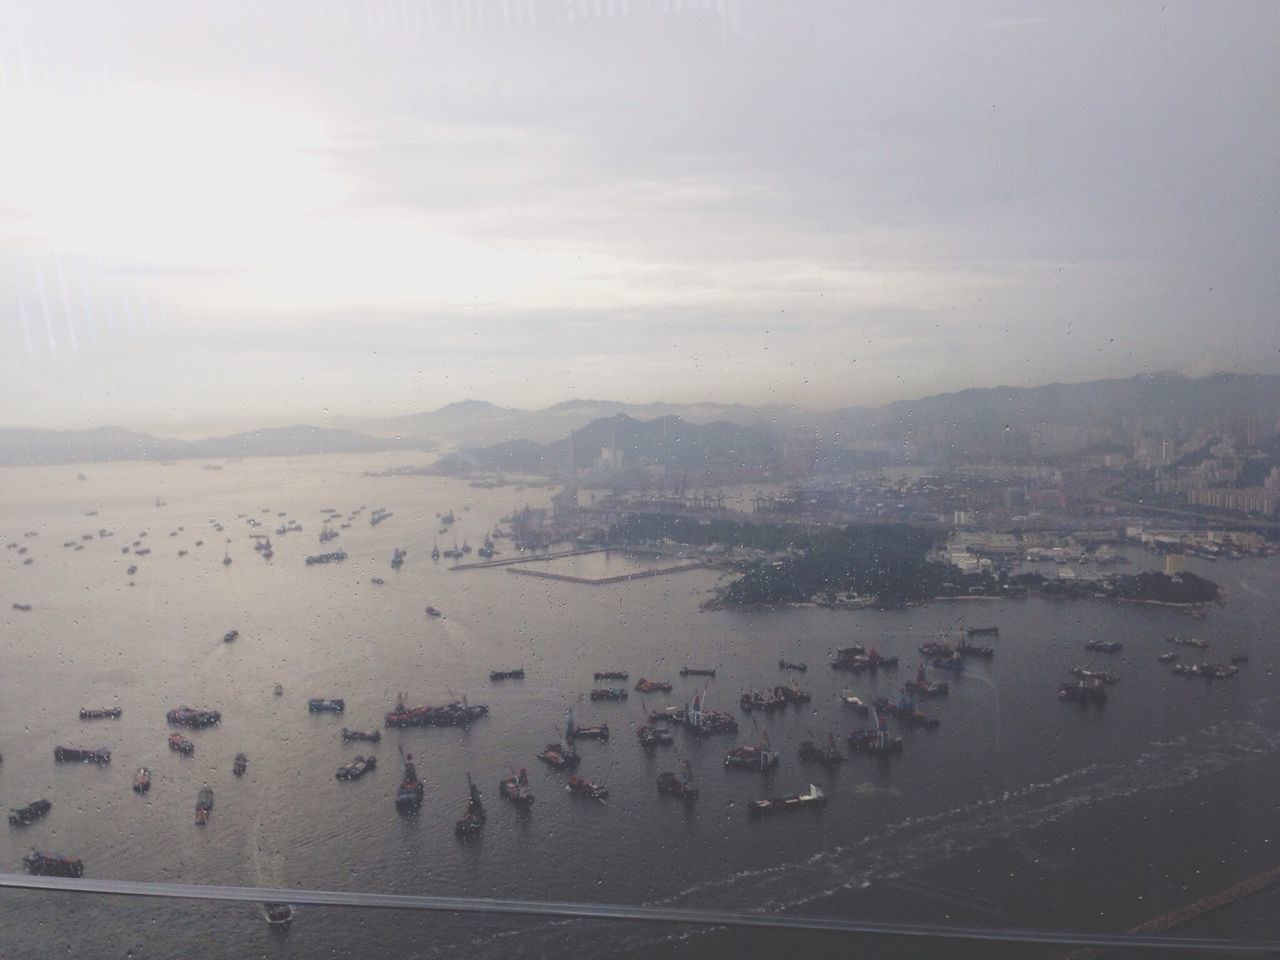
(253, 211)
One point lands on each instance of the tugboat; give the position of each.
(925, 687)
(1083, 691)
(855, 703)
(106, 713)
(409, 793)
(142, 780)
(790, 665)
(611, 675)
(651, 737)
(468, 826)
(516, 674)
(241, 765)
(645, 685)
(372, 736)
(47, 864)
(696, 672)
(100, 756)
(277, 914)
(512, 789)
(194, 717)
(756, 756)
(585, 788)
(357, 768)
(33, 811)
(876, 742)
(682, 787)
(609, 693)
(813, 798)
(181, 744)
(204, 806)
(323, 705)
(828, 756)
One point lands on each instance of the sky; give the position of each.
(237, 212)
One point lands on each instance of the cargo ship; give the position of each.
(104, 713)
(326, 705)
(513, 789)
(936, 648)
(983, 631)
(33, 811)
(516, 674)
(204, 805)
(357, 768)
(645, 685)
(609, 693)
(100, 755)
(967, 649)
(409, 793)
(954, 662)
(450, 715)
(194, 717)
(372, 736)
(47, 864)
(680, 787)
(792, 694)
(581, 787)
(611, 675)
(573, 732)
(559, 756)
(181, 744)
(813, 798)
(696, 672)
(764, 701)
(855, 660)
(469, 824)
(1209, 671)
(701, 721)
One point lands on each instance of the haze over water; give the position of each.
(1009, 766)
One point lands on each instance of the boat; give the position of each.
(925, 687)
(581, 787)
(600, 732)
(855, 660)
(377, 581)
(609, 693)
(651, 737)
(983, 631)
(1104, 646)
(132, 570)
(326, 705)
(854, 702)
(1240, 658)
(828, 756)
(1083, 691)
(435, 552)
(47, 864)
(761, 700)
(357, 768)
(645, 685)
(204, 805)
(936, 648)
(33, 811)
(373, 736)
(1196, 642)
(230, 636)
(516, 674)
(142, 780)
(277, 914)
(680, 787)
(1209, 671)
(702, 722)
(397, 559)
(226, 559)
(967, 649)
(512, 789)
(327, 533)
(1102, 676)
(813, 797)
(194, 717)
(336, 557)
(877, 741)
(469, 824)
(791, 665)
(1169, 657)
(560, 756)
(611, 675)
(450, 715)
(100, 755)
(756, 756)
(241, 765)
(954, 662)
(696, 672)
(22, 607)
(278, 690)
(792, 694)
(410, 792)
(104, 713)
(434, 614)
(905, 712)
(181, 744)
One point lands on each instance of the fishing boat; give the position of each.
(410, 792)
(696, 672)
(194, 717)
(513, 789)
(681, 787)
(326, 705)
(855, 703)
(240, 765)
(377, 581)
(925, 687)
(142, 780)
(469, 824)
(100, 755)
(105, 713)
(611, 675)
(756, 756)
(33, 811)
(792, 665)
(581, 787)
(609, 693)
(651, 737)
(645, 685)
(373, 736)
(181, 744)
(827, 756)
(204, 805)
(47, 864)
(357, 768)
(277, 914)
(516, 674)
(1083, 691)
(814, 797)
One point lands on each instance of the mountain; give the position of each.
(22, 447)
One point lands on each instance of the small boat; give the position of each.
(277, 914)
(104, 713)
(645, 685)
(1169, 657)
(142, 780)
(23, 607)
(828, 756)
(696, 672)
(435, 552)
(516, 674)
(226, 559)
(680, 787)
(470, 823)
(609, 693)
(1102, 676)
(377, 581)
(434, 614)
(581, 787)
(512, 789)
(651, 737)
(814, 797)
(855, 703)
(132, 570)
(792, 665)
(611, 675)
(336, 556)
(278, 690)
(33, 811)
(204, 805)
(100, 756)
(397, 559)
(241, 765)
(373, 736)
(357, 768)
(181, 744)
(194, 717)
(46, 864)
(326, 705)
(1104, 646)
(755, 756)
(230, 636)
